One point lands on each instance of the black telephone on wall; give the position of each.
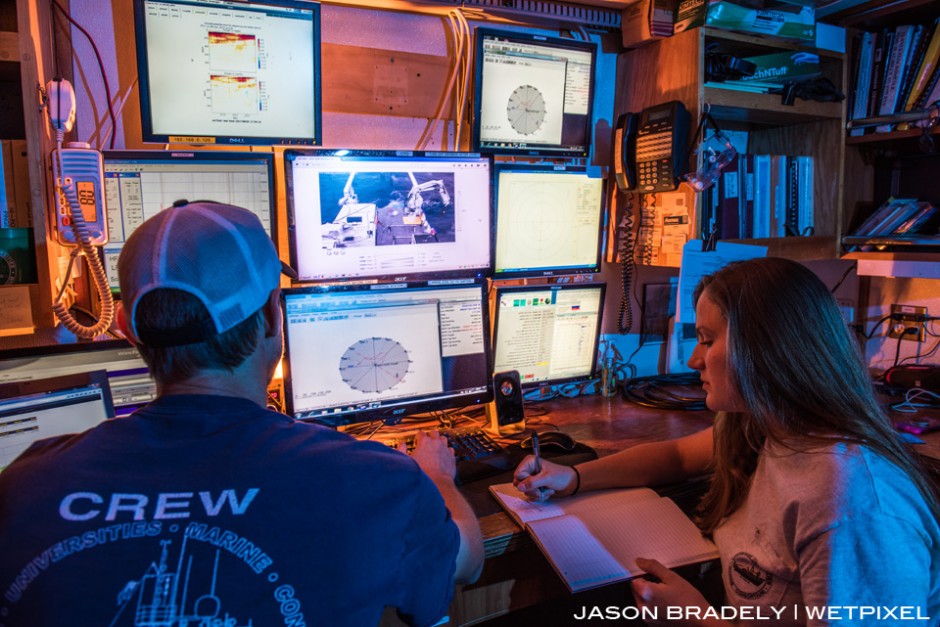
(625, 151)
(650, 148)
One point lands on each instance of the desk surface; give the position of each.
(607, 425)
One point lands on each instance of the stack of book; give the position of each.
(895, 71)
(761, 195)
(773, 71)
(898, 218)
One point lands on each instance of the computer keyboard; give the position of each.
(478, 455)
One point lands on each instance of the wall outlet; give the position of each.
(907, 317)
(847, 308)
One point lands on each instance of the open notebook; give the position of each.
(593, 539)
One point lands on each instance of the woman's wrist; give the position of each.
(577, 481)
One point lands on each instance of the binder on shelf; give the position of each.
(806, 216)
(729, 200)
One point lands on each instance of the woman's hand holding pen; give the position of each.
(552, 480)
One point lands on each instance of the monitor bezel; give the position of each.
(392, 413)
(184, 156)
(148, 135)
(551, 271)
(540, 150)
(291, 154)
(509, 289)
(63, 383)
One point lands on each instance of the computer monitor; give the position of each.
(534, 94)
(548, 333)
(360, 352)
(387, 214)
(140, 184)
(548, 219)
(229, 72)
(41, 408)
(129, 379)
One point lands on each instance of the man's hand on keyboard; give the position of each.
(434, 456)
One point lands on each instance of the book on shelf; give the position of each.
(926, 71)
(888, 217)
(806, 206)
(879, 52)
(764, 195)
(863, 73)
(896, 62)
(593, 539)
(912, 226)
(919, 49)
(916, 50)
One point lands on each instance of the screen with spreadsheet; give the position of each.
(128, 377)
(548, 219)
(357, 214)
(354, 353)
(41, 408)
(548, 333)
(139, 184)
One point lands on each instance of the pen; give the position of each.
(538, 461)
(538, 456)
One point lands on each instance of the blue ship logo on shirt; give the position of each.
(160, 597)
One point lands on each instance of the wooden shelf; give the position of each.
(799, 248)
(766, 109)
(890, 138)
(743, 41)
(923, 243)
(895, 264)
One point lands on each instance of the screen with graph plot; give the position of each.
(223, 72)
(357, 214)
(139, 184)
(534, 94)
(548, 333)
(358, 352)
(548, 219)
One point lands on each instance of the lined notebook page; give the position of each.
(525, 511)
(601, 546)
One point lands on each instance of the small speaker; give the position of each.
(507, 415)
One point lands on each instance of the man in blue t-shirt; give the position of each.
(205, 507)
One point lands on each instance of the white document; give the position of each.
(593, 539)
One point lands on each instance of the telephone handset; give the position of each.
(662, 134)
(625, 152)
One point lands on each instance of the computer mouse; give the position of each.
(551, 439)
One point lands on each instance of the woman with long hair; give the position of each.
(815, 502)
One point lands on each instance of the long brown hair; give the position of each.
(800, 373)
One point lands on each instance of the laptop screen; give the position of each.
(41, 408)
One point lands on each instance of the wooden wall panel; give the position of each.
(383, 82)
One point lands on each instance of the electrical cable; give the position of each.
(842, 279)
(83, 239)
(663, 392)
(627, 263)
(878, 324)
(104, 76)
(460, 32)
